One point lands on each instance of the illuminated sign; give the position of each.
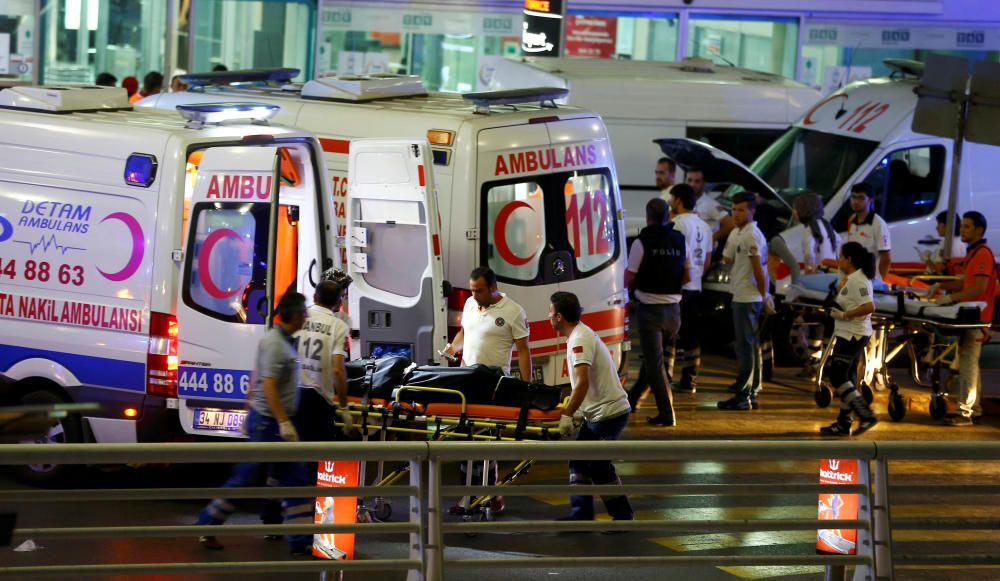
(542, 29)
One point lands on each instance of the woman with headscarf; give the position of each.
(819, 241)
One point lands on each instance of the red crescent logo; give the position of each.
(138, 247)
(204, 263)
(500, 229)
(808, 120)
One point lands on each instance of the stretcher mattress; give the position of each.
(889, 304)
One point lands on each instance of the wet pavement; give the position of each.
(787, 412)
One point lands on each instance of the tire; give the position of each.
(938, 407)
(823, 396)
(897, 407)
(867, 393)
(383, 510)
(68, 430)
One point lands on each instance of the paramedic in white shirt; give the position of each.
(698, 243)
(746, 250)
(707, 208)
(322, 346)
(599, 398)
(868, 229)
(852, 328)
(492, 325)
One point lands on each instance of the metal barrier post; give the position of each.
(418, 516)
(434, 549)
(865, 544)
(880, 521)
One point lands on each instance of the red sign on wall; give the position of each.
(591, 36)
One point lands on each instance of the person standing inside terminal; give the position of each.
(746, 251)
(698, 242)
(273, 398)
(598, 396)
(978, 282)
(152, 84)
(852, 328)
(868, 229)
(657, 270)
(322, 342)
(707, 208)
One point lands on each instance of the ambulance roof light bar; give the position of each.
(68, 99)
(201, 114)
(361, 88)
(544, 96)
(280, 76)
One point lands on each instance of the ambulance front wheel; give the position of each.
(67, 430)
(897, 407)
(824, 395)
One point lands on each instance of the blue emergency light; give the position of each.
(140, 170)
(259, 76)
(202, 113)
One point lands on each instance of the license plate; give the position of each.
(537, 373)
(215, 419)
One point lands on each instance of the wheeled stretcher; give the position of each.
(391, 397)
(902, 320)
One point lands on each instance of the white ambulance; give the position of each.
(738, 110)
(523, 186)
(862, 133)
(141, 254)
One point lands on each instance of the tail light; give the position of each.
(456, 303)
(161, 361)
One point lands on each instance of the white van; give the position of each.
(141, 253)
(862, 133)
(524, 187)
(737, 110)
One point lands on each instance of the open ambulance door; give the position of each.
(394, 250)
(228, 286)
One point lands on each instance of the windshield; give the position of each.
(803, 160)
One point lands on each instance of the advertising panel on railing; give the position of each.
(836, 506)
(336, 509)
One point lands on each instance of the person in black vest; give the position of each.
(657, 268)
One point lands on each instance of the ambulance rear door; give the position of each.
(231, 252)
(394, 250)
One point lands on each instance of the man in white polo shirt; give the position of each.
(492, 325)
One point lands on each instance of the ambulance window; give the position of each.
(227, 265)
(590, 220)
(907, 182)
(515, 214)
(396, 245)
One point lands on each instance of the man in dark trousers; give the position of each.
(657, 269)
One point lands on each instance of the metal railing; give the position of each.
(427, 527)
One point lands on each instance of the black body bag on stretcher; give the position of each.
(481, 384)
(376, 378)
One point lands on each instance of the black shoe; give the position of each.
(684, 387)
(211, 543)
(661, 421)
(737, 403)
(836, 429)
(866, 424)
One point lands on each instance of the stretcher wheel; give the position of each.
(823, 396)
(938, 407)
(897, 407)
(383, 510)
(867, 393)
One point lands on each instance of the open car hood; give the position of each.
(719, 166)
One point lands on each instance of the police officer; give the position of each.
(322, 343)
(272, 401)
(598, 397)
(657, 269)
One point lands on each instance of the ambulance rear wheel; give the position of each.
(938, 406)
(897, 407)
(824, 395)
(67, 430)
